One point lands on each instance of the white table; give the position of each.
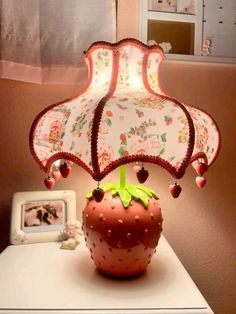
(41, 278)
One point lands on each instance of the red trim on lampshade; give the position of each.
(199, 155)
(131, 41)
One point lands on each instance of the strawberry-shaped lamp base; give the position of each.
(123, 230)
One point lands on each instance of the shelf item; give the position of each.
(181, 6)
(179, 34)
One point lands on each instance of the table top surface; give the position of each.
(42, 278)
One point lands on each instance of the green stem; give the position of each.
(122, 176)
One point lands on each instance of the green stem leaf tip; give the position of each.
(129, 192)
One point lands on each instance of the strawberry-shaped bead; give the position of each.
(200, 181)
(49, 182)
(98, 194)
(142, 175)
(56, 174)
(65, 169)
(201, 168)
(175, 190)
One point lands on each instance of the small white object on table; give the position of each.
(42, 278)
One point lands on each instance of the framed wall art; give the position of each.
(41, 216)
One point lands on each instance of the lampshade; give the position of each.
(124, 116)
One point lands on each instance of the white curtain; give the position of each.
(42, 41)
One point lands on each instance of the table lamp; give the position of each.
(123, 116)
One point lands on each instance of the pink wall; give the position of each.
(200, 225)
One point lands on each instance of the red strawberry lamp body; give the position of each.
(123, 230)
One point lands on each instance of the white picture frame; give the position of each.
(40, 216)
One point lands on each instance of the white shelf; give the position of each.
(194, 58)
(176, 17)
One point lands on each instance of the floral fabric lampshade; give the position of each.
(124, 116)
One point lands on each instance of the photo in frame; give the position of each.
(41, 216)
(173, 6)
(162, 5)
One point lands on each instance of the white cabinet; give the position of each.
(219, 26)
(203, 30)
(43, 279)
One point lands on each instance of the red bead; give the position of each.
(175, 190)
(65, 170)
(200, 181)
(201, 168)
(98, 194)
(49, 182)
(142, 175)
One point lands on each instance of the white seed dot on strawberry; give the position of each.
(128, 236)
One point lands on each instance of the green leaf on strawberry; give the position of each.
(139, 193)
(125, 197)
(150, 192)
